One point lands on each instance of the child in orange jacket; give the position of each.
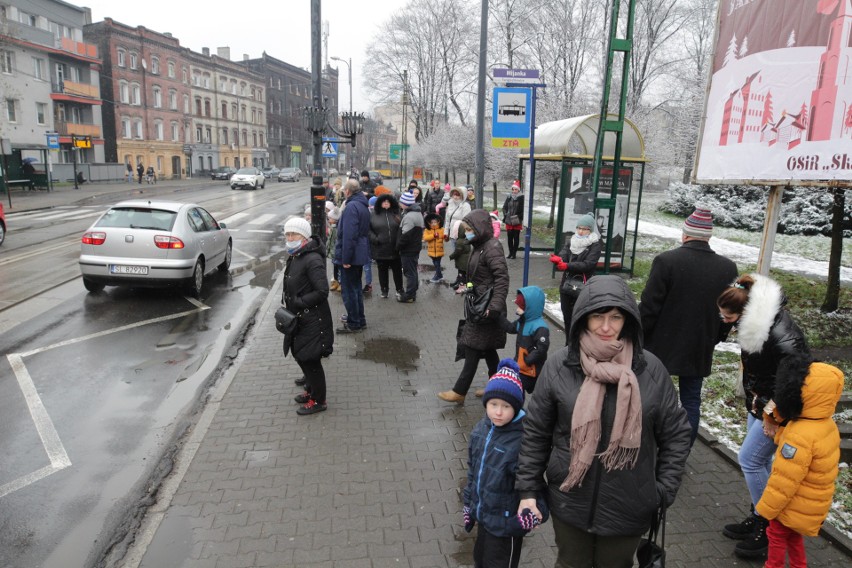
(799, 493)
(433, 235)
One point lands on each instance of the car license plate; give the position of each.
(122, 269)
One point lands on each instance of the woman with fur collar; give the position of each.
(767, 334)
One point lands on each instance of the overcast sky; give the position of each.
(282, 29)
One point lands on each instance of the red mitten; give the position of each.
(555, 258)
(562, 266)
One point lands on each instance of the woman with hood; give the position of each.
(577, 260)
(513, 217)
(486, 269)
(606, 426)
(533, 334)
(457, 209)
(305, 294)
(384, 230)
(767, 335)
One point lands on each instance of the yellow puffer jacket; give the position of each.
(434, 242)
(801, 487)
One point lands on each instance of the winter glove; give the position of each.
(562, 266)
(528, 520)
(468, 520)
(555, 258)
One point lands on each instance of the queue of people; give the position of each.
(603, 442)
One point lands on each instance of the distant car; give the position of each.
(270, 173)
(222, 173)
(152, 244)
(251, 178)
(2, 225)
(289, 174)
(376, 178)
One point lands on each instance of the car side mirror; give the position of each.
(223, 226)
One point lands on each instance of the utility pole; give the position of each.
(479, 179)
(404, 130)
(317, 190)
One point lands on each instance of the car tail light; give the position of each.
(167, 242)
(94, 238)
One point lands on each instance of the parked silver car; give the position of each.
(251, 178)
(289, 174)
(152, 244)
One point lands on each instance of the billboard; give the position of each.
(580, 200)
(779, 102)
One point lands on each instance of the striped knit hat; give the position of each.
(407, 199)
(506, 385)
(699, 225)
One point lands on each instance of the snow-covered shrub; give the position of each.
(804, 210)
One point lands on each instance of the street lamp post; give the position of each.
(349, 69)
(316, 121)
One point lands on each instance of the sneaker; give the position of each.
(435, 279)
(301, 381)
(347, 329)
(311, 407)
(404, 300)
(741, 530)
(384, 294)
(451, 396)
(343, 318)
(368, 288)
(756, 545)
(303, 398)
(334, 286)
(399, 296)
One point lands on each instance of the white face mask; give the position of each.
(293, 246)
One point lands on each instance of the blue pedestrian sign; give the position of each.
(510, 118)
(329, 148)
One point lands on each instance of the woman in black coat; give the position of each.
(384, 230)
(305, 294)
(578, 260)
(514, 207)
(486, 268)
(605, 436)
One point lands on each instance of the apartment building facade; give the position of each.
(50, 81)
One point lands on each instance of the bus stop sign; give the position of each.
(510, 118)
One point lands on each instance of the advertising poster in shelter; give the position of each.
(779, 106)
(581, 200)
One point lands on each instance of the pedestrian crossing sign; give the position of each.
(329, 148)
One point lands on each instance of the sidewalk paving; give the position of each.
(375, 481)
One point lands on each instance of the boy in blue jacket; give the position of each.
(533, 334)
(490, 497)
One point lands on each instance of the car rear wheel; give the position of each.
(195, 283)
(233, 187)
(2, 233)
(226, 264)
(263, 185)
(92, 286)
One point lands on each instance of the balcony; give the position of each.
(78, 48)
(76, 92)
(73, 129)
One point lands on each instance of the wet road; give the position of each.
(95, 388)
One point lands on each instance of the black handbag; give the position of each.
(475, 305)
(513, 220)
(285, 321)
(650, 553)
(573, 284)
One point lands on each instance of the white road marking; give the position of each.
(26, 255)
(263, 219)
(41, 419)
(267, 231)
(234, 217)
(245, 254)
(60, 215)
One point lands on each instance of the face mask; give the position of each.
(469, 236)
(456, 199)
(293, 246)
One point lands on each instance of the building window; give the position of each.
(138, 125)
(254, 116)
(134, 60)
(155, 65)
(184, 74)
(7, 61)
(245, 138)
(208, 135)
(186, 104)
(206, 107)
(137, 94)
(158, 128)
(254, 138)
(125, 128)
(224, 136)
(198, 135)
(38, 68)
(158, 97)
(41, 113)
(224, 110)
(122, 58)
(261, 139)
(172, 99)
(11, 115)
(175, 131)
(198, 107)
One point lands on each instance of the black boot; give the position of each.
(757, 544)
(741, 530)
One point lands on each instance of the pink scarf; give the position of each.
(604, 363)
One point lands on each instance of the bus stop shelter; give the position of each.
(571, 142)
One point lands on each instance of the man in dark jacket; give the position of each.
(367, 185)
(433, 197)
(353, 251)
(409, 245)
(679, 313)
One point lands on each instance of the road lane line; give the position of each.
(28, 479)
(263, 219)
(26, 255)
(61, 215)
(234, 217)
(245, 254)
(267, 231)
